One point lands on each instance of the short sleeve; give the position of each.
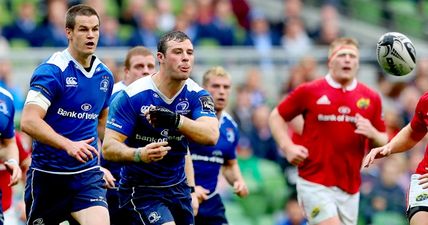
(45, 80)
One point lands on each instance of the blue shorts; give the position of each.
(50, 198)
(211, 212)
(159, 205)
(118, 215)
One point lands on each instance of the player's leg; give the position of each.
(348, 206)
(89, 198)
(211, 212)
(86, 216)
(46, 198)
(417, 211)
(146, 206)
(318, 203)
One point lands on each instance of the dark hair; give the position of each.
(139, 50)
(78, 10)
(171, 36)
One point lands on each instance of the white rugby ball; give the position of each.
(396, 54)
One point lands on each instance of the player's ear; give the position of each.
(68, 32)
(160, 57)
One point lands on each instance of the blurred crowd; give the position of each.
(270, 177)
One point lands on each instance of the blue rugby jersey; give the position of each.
(126, 117)
(114, 167)
(7, 113)
(77, 97)
(207, 160)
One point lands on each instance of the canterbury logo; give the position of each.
(70, 82)
(323, 100)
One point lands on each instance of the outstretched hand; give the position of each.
(375, 153)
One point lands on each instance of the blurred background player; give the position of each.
(8, 149)
(208, 160)
(149, 125)
(341, 118)
(65, 113)
(139, 62)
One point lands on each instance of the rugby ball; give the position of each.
(396, 54)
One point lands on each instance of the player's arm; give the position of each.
(203, 130)
(366, 128)
(233, 175)
(403, 141)
(9, 154)
(102, 119)
(295, 154)
(33, 123)
(190, 175)
(114, 149)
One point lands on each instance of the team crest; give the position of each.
(3, 107)
(363, 103)
(154, 217)
(104, 85)
(315, 212)
(182, 107)
(230, 135)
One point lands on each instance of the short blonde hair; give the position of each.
(340, 42)
(218, 71)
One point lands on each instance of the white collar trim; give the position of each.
(336, 85)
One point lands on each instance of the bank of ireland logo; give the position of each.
(104, 85)
(86, 107)
(71, 82)
(164, 133)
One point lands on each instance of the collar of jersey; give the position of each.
(86, 73)
(336, 85)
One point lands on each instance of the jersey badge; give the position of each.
(71, 82)
(207, 103)
(363, 103)
(3, 107)
(230, 135)
(104, 85)
(182, 107)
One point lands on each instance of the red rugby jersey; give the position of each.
(419, 125)
(335, 150)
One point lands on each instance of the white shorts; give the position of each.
(320, 202)
(417, 197)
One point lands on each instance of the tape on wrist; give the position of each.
(12, 161)
(180, 123)
(137, 155)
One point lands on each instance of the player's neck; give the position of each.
(169, 87)
(82, 59)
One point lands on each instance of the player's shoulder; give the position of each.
(192, 86)
(365, 88)
(118, 86)
(141, 85)
(6, 93)
(227, 118)
(59, 59)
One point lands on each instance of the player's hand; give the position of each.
(108, 178)
(296, 154)
(375, 153)
(240, 188)
(155, 151)
(82, 150)
(364, 126)
(195, 203)
(15, 171)
(162, 117)
(423, 181)
(201, 193)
